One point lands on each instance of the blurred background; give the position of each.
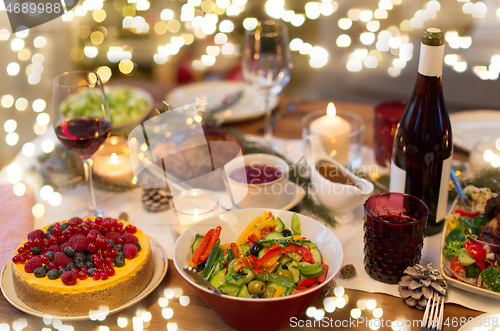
(360, 51)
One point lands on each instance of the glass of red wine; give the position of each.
(394, 234)
(83, 120)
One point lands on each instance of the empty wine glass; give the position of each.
(266, 64)
(83, 120)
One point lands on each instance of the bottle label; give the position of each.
(431, 60)
(398, 179)
(443, 190)
(398, 185)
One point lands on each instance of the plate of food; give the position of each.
(470, 248)
(128, 105)
(470, 125)
(266, 261)
(235, 101)
(90, 277)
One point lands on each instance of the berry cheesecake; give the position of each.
(75, 266)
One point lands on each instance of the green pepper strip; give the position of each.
(230, 253)
(276, 278)
(210, 261)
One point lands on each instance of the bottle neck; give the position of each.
(431, 60)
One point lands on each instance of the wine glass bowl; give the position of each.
(83, 135)
(266, 63)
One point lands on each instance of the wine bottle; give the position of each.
(422, 150)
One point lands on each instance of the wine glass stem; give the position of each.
(87, 165)
(268, 129)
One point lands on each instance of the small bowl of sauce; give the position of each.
(257, 180)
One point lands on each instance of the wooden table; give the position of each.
(198, 316)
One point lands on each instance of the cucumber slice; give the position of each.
(245, 249)
(243, 292)
(196, 242)
(279, 225)
(273, 235)
(284, 260)
(262, 252)
(313, 274)
(230, 289)
(316, 253)
(310, 270)
(295, 272)
(218, 279)
(296, 224)
(295, 256)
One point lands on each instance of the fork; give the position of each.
(433, 316)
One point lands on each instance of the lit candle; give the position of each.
(332, 130)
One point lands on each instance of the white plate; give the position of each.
(470, 125)
(483, 322)
(210, 94)
(160, 266)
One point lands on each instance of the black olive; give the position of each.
(255, 248)
(200, 266)
(286, 233)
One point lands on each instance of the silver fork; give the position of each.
(433, 316)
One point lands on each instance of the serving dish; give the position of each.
(160, 266)
(470, 125)
(258, 314)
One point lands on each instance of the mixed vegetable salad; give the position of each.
(472, 261)
(124, 105)
(268, 260)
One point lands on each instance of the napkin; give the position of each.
(16, 220)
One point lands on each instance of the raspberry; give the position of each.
(130, 238)
(32, 264)
(61, 260)
(80, 244)
(130, 251)
(69, 278)
(131, 229)
(113, 236)
(54, 248)
(37, 234)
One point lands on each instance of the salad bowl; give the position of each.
(258, 313)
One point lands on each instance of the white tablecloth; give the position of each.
(156, 225)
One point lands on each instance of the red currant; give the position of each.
(44, 249)
(94, 226)
(53, 239)
(45, 259)
(97, 260)
(76, 229)
(109, 270)
(105, 253)
(37, 243)
(46, 242)
(91, 237)
(16, 259)
(28, 245)
(101, 241)
(104, 275)
(72, 222)
(114, 221)
(82, 275)
(61, 240)
(84, 269)
(107, 245)
(120, 241)
(96, 275)
(113, 252)
(85, 230)
(102, 229)
(57, 231)
(78, 220)
(108, 260)
(131, 229)
(92, 247)
(119, 225)
(29, 256)
(68, 232)
(98, 220)
(21, 250)
(75, 270)
(52, 265)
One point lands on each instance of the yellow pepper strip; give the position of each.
(265, 224)
(272, 267)
(191, 264)
(296, 236)
(279, 292)
(248, 230)
(264, 216)
(225, 246)
(272, 260)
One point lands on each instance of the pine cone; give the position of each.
(419, 284)
(156, 199)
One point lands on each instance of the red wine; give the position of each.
(421, 157)
(83, 136)
(396, 219)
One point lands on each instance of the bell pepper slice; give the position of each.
(467, 213)
(271, 267)
(269, 254)
(248, 230)
(477, 252)
(279, 292)
(306, 282)
(235, 250)
(276, 278)
(213, 240)
(300, 290)
(457, 267)
(198, 252)
(254, 259)
(225, 246)
(321, 278)
(306, 253)
(293, 247)
(272, 260)
(270, 223)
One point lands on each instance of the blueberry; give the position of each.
(138, 246)
(46, 267)
(89, 256)
(70, 266)
(118, 247)
(80, 257)
(40, 272)
(49, 229)
(90, 272)
(36, 250)
(64, 226)
(69, 251)
(111, 242)
(90, 264)
(51, 255)
(62, 271)
(53, 274)
(119, 261)
(80, 265)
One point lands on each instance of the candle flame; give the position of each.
(113, 159)
(331, 110)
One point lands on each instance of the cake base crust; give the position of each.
(79, 304)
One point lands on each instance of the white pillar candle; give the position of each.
(332, 130)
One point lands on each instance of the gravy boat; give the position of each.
(340, 199)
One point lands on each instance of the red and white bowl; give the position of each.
(259, 314)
